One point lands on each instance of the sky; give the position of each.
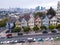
(28, 3)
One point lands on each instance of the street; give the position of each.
(30, 36)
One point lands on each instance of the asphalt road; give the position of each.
(31, 36)
(2, 29)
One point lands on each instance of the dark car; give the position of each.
(7, 31)
(45, 32)
(21, 41)
(53, 31)
(20, 34)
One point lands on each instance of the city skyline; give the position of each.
(28, 3)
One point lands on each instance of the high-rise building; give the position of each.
(58, 10)
(37, 8)
(42, 8)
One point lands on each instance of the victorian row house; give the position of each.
(38, 21)
(29, 20)
(45, 21)
(53, 21)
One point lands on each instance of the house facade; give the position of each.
(31, 21)
(24, 23)
(18, 23)
(45, 22)
(58, 10)
(53, 21)
(38, 21)
(9, 25)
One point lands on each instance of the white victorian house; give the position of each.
(53, 21)
(24, 23)
(18, 23)
(31, 21)
(58, 10)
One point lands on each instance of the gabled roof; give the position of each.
(54, 18)
(20, 19)
(37, 17)
(26, 17)
(12, 19)
(46, 17)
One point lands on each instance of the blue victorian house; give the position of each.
(45, 21)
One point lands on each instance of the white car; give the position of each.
(1, 42)
(46, 39)
(15, 41)
(4, 42)
(8, 42)
(49, 39)
(31, 39)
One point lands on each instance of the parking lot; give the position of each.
(37, 43)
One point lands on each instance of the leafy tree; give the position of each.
(58, 26)
(51, 12)
(38, 14)
(43, 27)
(51, 27)
(26, 29)
(17, 29)
(2, 24)
(5, 20)
(35, 28)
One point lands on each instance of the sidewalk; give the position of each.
(3, 34)
(33, 33)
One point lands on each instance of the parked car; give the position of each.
(45, 32)
(15, 41)
(31, 39)
(4, 42)
(20, 33)
(40, 39)
(49, 39)
(12, 42)
(1, 42)
(46, 39)
(21, 41)
(7, 42)
(53, 31)
(7, 31)
(9, 35)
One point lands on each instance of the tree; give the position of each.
(51, 27)
(58, 26)
(51, 12)
(43, 27)
(5, 20)
(38, 14)
(26, 29)
(17, 29)
(35, 28)
(2, 24)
